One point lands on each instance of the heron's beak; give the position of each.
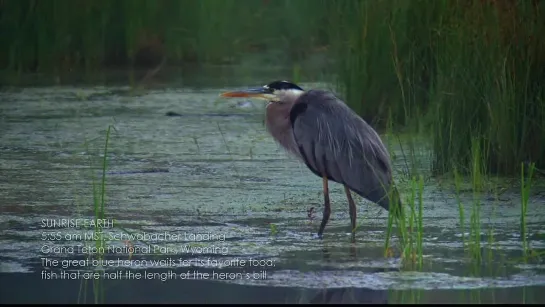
(260, 93)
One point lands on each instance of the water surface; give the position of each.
(212, 169)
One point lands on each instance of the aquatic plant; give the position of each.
(273, 229)
(99, 210)
(526, 184)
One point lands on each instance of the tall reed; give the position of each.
(487, 86)
(61, 35)
(465, 68)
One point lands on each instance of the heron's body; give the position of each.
(345, 148)
(331, 139)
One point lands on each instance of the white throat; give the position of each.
(288, 95)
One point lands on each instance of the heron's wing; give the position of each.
(335, 142)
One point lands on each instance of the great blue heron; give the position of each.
(331, 139)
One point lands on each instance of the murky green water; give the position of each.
(213, 169)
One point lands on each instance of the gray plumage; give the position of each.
(334, 140)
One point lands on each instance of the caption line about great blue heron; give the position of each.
(92, 249)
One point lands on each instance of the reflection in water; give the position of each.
(352, 253)
(326, 254)
(350, 296)
(14, 289)
(512, 295)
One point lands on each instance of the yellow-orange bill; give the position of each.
(258, 92)
(237, 94)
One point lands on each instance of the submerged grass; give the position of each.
(99, 210)
(98, 237)
(475, 217)
(412, 246)
(526, 183)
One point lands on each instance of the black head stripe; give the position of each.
(283, 85)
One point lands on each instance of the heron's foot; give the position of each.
(317, 236)
(325, 219)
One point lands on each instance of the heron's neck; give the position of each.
(279, 126)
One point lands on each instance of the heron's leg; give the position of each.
(327, 208)
(352, 209)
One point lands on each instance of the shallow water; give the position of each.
(213, 170)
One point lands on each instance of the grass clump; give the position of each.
(99, 213)
(526, 183)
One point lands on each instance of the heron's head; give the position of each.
(275, 92)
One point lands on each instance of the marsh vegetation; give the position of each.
(456, 88)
